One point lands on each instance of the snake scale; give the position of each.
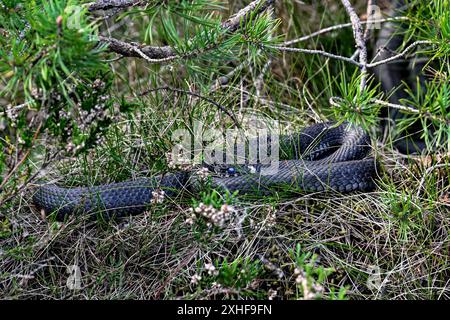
(326, 156)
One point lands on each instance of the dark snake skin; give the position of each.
(323, 157)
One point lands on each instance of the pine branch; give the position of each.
(128, 49)
(155, 54)
(114, 4)
(337, 102)
(256, 7)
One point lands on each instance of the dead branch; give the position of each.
(358, 34)
(114, 4)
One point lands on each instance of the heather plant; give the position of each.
(91, 92)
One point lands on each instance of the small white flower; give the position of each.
(300, 279)
(158, 196)
(213, 216)
(211, 269)
(178, 162)
(317, 288)
(272, 294)
(227, 209)
(195, 279)
(203, 173)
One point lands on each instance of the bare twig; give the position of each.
(401, 54)
(427, 115)
(339, 27)
(152, 60)
(396, 106)
(319, 52)
(358, 34)
(351, 60)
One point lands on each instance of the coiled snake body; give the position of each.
(323, 157)
(326, 157)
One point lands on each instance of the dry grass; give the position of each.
(399, 231)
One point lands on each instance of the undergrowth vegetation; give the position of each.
(78, 108)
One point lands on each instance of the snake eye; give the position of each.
(231, 170)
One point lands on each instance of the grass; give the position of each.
(388, 244)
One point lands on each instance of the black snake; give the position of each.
(326, 157)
